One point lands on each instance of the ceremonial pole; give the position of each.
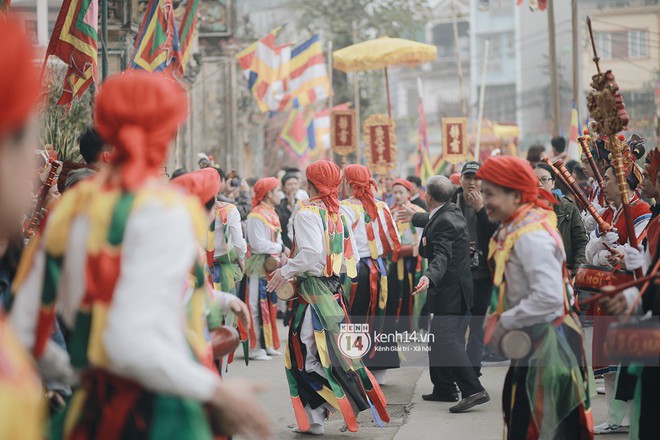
(356, 98)
(482, 95)
(104, 34)
(554, 84)
(331, 93)
(458, 58)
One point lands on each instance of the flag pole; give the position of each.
(356, 98)
(482, 94)
(104, 33)
(331, 95)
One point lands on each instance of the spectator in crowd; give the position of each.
(417, 192)
(290, 187)
(534, 154)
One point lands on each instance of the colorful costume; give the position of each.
(376, 237)
(546, 392)
(321, 379)
(22, 403)
(115, 255)
(404, 273)
(265, 238)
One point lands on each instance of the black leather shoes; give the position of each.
(470, 402)
(440, 398)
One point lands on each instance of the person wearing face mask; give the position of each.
(532, 296)
(264, 234)
(569, 223)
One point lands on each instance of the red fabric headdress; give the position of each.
(19, 78)
(326, 178)
(515, 173)
(138, 113)
(262, 187)
(455, 178)
(204, 183)
(403, 182)
(359, 177)
(653, 163)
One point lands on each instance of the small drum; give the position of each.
(592, 278)
(516, 344)
(272, 263)
(634, 342)
(286, 292)
(224, 340)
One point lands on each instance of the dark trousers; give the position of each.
(480, 302)
(449, 364)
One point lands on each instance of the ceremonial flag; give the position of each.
(4, 6)
(157, 45)
(246, 56)
(298, 131)
(75, 41)
(425, 166)
(267, 72)
(541, 5)
(308, 79)
(573, 149)
(322, 132)
(186, 33)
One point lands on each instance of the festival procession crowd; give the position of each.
(127, 294)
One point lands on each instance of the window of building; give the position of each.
(603, 42)
(638, 44)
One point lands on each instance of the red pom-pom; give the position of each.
(586, 131)
(622, 138)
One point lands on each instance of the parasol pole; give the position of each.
(387, 87)
(331, 93)
(356, 99)
(482, 95)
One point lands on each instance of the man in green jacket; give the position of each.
(568, 220)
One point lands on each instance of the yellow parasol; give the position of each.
(382, 53)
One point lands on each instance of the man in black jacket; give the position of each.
(445, 243)
(468, 198)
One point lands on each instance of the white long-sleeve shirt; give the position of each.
(235, 241)
(144, 336)
(534, 281)
(356, 221)
(311, 252)
(259, 235)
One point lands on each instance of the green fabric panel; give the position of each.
(255, 264)
(212, 226)
(80, 339)
(52, 275)
(198, 272)
(214, 317)
(293, 386)
(178, 418)
(120, 218)
(80, 21)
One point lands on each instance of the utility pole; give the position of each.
(458, 58)
(554, 85)
(576, 65)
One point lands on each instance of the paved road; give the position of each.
(411, 417)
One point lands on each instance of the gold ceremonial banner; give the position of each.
(454, 140)
(380, 141)
(343, 132)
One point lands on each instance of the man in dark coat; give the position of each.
(445, 243)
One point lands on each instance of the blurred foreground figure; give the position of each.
(22, 406)
(116, 255)
(546, 390)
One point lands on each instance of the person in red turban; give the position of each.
(516, 176)
(204, 184)
(326, 178)
(376, 237)
(264, 234)
(137, 241)
(22, 396)
(263, 187)
(138, 113)
(324, 250)
(529, 300)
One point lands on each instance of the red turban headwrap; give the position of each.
(262, 187)
(455, 178)
(204, 183)
(19, 78)
(138, 113)
(326, 178)
(359, 177)
(517, 174)
(403, 182)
